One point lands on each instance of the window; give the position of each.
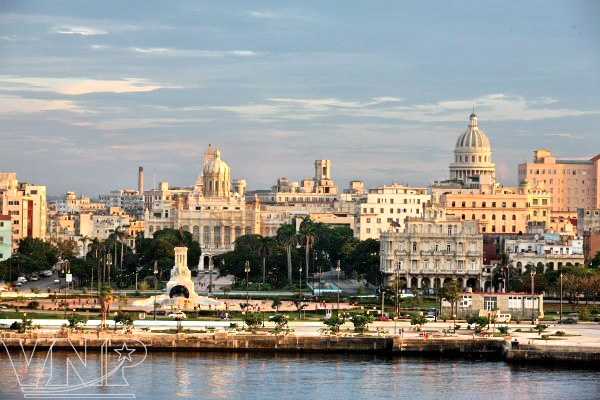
(514, 204)
(483, 204)
(473, 265)
(448, 247)
(503, 217)
(448, 264)
(368, 230)
(426, 264)
(414, 246)
(493, 217)
(437, 247)
(490, 303)
(504, 204)
(368, 220)
(378, 220)
(460, 265)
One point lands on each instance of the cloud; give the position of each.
(491, 107)
(564, 135)
(77, 86)
(11, 105)
(78, 30)
(173, 52)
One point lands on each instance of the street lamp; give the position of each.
(155, 271)
(533, 272)
(300, 280)
(247, 271)
(561, 296)
(210, 268)
(338, 269)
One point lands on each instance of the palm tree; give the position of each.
(105, 298)
(308, 235)
(265, 249)
(84, 239)
(286, 235)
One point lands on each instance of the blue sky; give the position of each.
(89, 90)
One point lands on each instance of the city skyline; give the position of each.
(277, 86)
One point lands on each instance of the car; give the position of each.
(430, 318)
(3, 307)
(382, 318)
(568, 321)
(57, 281)
(19, 284)
(225, 316)
(177, 315)
(34, 278)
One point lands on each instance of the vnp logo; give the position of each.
(61, 370)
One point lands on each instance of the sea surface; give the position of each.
(193, 375)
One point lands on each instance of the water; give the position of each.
(332, 376)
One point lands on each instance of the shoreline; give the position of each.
(391, 345)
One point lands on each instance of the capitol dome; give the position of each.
(472, 154)
(216, 177)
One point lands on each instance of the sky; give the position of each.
(90, 90)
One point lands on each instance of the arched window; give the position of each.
(473, 216)
(463, 216)
(206, 235)
(414, 246)
(493, 217)
(196, 233)
(514, 217)
(503, 217)
(479, 158)
(483, 216)
(472, 158)
(217, 236)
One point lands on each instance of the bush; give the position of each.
(518, 330)
(33, 305)
(560, 333)
(417, 319)
(584, 314)
(361, 322)
(76, 319)
(253, 322)
(503, 330)
(334, 323)
(281, 321)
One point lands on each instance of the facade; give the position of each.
(518, 305)
(573, 184)
(501, 210)
(472, 155)
(375, 212)
(73, 204)
(5, 237)
(549, 251)
(25, 204)
(588, 226)
(433, 249)
(131, 201)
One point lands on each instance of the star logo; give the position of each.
(124, 353)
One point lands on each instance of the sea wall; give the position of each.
(389, 345)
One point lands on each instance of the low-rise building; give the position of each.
(549, 251)
(518, 305)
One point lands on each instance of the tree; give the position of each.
(452, 293)
(281, 322)
(265, 249)
(480, 322)
(124, 318)
(308, 236)
(417, 319)
(253, 322)
(361, 322)
(35, 255)
(76, 319)
(286, 235)
(105, 298)
(67, 249)
(276, 304)
(334, 322)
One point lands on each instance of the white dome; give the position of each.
(473, 139)
(216, 166)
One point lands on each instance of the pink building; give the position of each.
(573, 184)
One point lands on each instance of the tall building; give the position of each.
(25, 204)
(432, 249)
(572, 183)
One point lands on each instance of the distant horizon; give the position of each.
(89, 91)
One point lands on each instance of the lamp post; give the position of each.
(247, 271)
(300, 280)
(210, 268)
(382, 301)
(338, 268)
(155, 271)
(533, 272)
(65, 268)
(561, 296)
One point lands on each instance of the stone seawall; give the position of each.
(388, 345)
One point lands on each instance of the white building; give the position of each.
(433, 249)
(376, 211)
(544, 250)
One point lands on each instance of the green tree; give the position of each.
(286, 235)
(124, 318)
(417, 319)
(334, 322)
(308, 237)
(105, 298)
(76, 319)
(276, 304)
(67, 249)
(452, 293)
(361, 322)
(265, 249)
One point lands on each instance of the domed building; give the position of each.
(472, 155)
(216, 179)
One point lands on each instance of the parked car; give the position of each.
(430, 318)
(34, 278)
(225, 316)
(568, 321)
(177, 314)
(57, 281)
(382, 318)
(21, 279)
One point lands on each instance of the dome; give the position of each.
(473, 139)
(216, 166)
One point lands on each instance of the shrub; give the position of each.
(584, 314)
(503, 329)
(33, 305)
(417, 319)
(76, 319)
(281, 321)
(518, 330)
(361, 322)
(334, 322)
(560, 333)
(35, 290)
(253, 322)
